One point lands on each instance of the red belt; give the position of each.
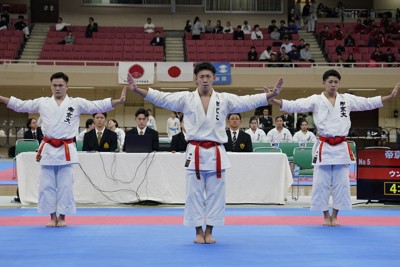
(55, 143)
(333, 141)
(207, 145)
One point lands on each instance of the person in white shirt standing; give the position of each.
(149, 27)
(173, 125)
(257, 135)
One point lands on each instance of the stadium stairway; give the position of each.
(34, 45)
(174, 46)
(316, 52)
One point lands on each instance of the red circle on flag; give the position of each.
(174, 71)
(136, 71)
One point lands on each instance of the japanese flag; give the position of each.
(142, 72)
(174, 72)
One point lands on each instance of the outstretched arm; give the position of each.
(4, 100)
(392, 95)
(121, 100)
(135, 88)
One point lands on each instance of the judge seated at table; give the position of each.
(238, 140)
(141, 118)
(178, 142)
(100, 138)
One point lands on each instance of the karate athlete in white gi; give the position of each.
(257, 135)
(304, 136)
(57, 152)
(279, 134)
(206, 160)
(331, 153)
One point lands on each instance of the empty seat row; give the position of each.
(111, 29)
(102, 48)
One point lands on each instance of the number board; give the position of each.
(378, 174)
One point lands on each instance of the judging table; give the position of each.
(109, 178)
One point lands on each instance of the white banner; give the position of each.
(142, 72)
(174, 72)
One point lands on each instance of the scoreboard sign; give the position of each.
(378, 174)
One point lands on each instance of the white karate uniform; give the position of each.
(58, 122)
(307, 137)
(274, 136)
(201, 126)
(333, 166)
(257, 137)
(121, 137)
(173, 127)
(151, 123)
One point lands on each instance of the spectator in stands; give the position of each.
(246, 27)
(208, 28)
(292, 28)
(266, 54)
(21, 25)
(228, 28)
(284, 58)
(301, 45)
(385, 22)
(273, 60)
(113, 126)
(339, 59)
(360, 28)
(3, 24)
(294, 54)
(256, 34)
(6, 16)
(324, 35)
(275, 34)
(288, 120)
(282, 27)
(149, 26)
(157, 40)
(252, 55)
(69, 39)
(89, 125)
(305, 14)
(368, 22)
(285, 34)
(188, 26)
(279, 134)
(350, 59)
(62, 26)
(257, 135)
(374, 37)
(339, 11)
(312, 18)
(305, 54)
(349, 41)
(219, 28)
(297, 13)
(337, 33)
(287, 45)
(340, 49)
(197, 28)
(389, 57)
(272, 26)
(238, 34)
(91, 28)
(377, 55)
(238, 140)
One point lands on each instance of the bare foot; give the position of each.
(199, 239)
(52, 223)
(334, 221)
(327, 221)
(61, 223)
(209, 239)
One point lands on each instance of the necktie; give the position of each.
(34, 135)
(98, 137)
(141, 132)
(234, 140)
